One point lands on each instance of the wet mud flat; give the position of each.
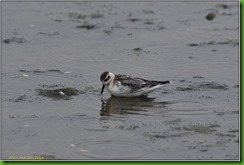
(54, 52)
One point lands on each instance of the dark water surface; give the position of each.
(54, 52)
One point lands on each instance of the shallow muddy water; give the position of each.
(54, 52)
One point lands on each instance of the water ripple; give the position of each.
(112, 149)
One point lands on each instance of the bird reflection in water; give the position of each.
(123, 106)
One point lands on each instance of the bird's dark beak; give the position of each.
(102, 89)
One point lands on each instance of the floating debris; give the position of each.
(228, 42)
(161, 27)
(51, 86)
(16, 40)
(61, 93)
(137, 49)
(194, 44)
(25, 75)
(54, 70)
(77, 16)
(202, 128)
(72, 145)
(223, 6)
(49, 34)
(212, 85)
(163, 135)
(210, 16)
(134, 19)
(198, 77)
(36, 71)
(203, 86)
(21, 98)
(87, 26)
(73, 15)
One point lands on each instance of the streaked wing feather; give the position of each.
(134, 83)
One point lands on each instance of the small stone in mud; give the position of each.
(210, 16)
(61, 93)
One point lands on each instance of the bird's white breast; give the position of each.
(118, 89)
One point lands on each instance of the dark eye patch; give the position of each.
(102, 77)
(107, 78)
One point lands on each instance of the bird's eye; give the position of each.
(107, 78)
